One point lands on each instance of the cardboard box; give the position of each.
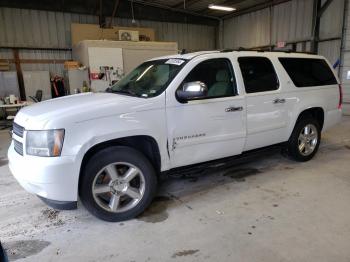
(71, 65)
(4, 66)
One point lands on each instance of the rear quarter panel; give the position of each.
(300, 99)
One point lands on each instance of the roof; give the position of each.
(189, 56)
(147, 9)
(201, 6)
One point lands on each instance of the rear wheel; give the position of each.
(118, 184)
(305, 139)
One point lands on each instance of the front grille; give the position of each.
(18, 147)
(18, 130)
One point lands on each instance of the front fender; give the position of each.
(84, 135)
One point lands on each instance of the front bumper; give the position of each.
(52, 178)
(61, 205)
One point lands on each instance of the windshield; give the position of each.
(150, 78)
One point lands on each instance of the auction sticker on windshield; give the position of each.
(174, 61)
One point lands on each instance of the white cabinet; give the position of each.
(107, 60)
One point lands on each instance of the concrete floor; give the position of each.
(272, 209)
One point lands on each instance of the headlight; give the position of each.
(44, 142)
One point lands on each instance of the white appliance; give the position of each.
(128, 35)
(107, 61)
(104, 61)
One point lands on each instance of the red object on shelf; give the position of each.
(94, 76)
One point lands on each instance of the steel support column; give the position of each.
(319, 9)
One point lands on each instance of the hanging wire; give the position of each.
(132, 12)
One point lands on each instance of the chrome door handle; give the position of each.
(279, 101)
(233, 109)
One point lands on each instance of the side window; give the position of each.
(217, 75)
(306, 72)
(258, 74)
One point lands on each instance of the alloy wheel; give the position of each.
(307, 140)
(118, 187)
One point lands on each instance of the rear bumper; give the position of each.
(51, 178)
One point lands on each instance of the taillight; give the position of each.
(340, 96)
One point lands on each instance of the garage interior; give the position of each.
(268, 208)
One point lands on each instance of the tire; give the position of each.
(298, 137)
(117, 184)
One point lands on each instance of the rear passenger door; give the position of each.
(266, 104)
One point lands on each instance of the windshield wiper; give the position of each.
(125, 92)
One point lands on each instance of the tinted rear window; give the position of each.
(308, 72)
(258, 74)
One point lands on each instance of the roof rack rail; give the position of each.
(262, 51)
(226, 50)
(232, 50)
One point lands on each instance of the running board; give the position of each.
(222, 163)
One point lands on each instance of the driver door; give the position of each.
(212, 127)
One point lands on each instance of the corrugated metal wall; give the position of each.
(332, 20)
(249, 30)
(34, 28)
(38, 54)
(345, 65)
(43, 54)
(189, 36)
(291, 22)
(288, 22)
(331, 25)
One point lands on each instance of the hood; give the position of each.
(79, 107)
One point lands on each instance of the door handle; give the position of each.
(233, 109)
(279, 101)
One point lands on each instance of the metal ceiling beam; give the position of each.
(324, 7)
(116, 4)
(185, 3)
(255, 8)
(101, 17)
(184, 11)
(22, 90)
(144, 10)
(318, 11)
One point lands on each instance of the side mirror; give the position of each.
(192, 90)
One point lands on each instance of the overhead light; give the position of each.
(221, 8)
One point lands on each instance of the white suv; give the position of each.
(176, 111)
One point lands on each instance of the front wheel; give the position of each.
(305, 139)
(118, 183)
